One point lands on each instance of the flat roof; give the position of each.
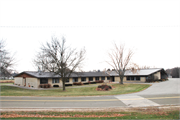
(141, 72)
(53, 75)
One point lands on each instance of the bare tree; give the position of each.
(56, 57)
(135, 68)
(119, 61)
(146, 67)
(175, 72)
(6, 61)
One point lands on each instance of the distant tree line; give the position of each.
(174, 72)
(7, 61)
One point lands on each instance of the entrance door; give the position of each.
(113, 79)
(24, 81)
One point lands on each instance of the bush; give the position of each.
(45, 85)
(78, 83)
(99, 81)
(93, 82)
(55, 85)
(42, 85)
(103, 88)
(68, 84)
(49, 85)
(86, 83)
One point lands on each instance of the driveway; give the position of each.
(172, 86)
(159, 94)
(162, 93)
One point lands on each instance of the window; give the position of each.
(43, 81)
(75, 79)
(55, 80)
(128, 78)
(83, 79)
(108, 78)
(67, 80)
(90, 78)
(102, 78)
(97, 78)
(132, 78)
(138, 78)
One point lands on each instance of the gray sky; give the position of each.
(151, 27)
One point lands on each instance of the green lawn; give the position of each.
(92, 115)
(6, 83)
(81, 91)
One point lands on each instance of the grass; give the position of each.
(91, 115)
(5, 80)
(81, 91)
(6, 83)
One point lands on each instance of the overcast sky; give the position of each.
(151, 27)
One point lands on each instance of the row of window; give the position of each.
(83, 79)
(133, 78)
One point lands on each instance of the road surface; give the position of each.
(159, 94)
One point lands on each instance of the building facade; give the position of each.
(35, 79)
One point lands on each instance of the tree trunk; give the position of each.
(121, 79)
(63, 85)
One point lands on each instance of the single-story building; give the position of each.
(143, 75)
(36, 78)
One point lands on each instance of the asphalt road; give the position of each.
(163, 93)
